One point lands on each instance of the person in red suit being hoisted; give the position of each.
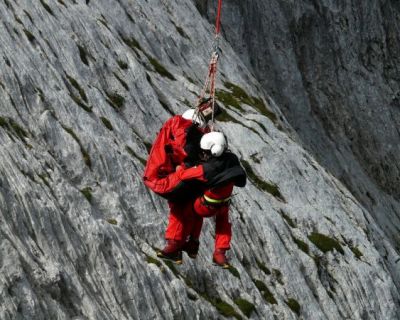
(195, 171)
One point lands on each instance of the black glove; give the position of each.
(213, 167)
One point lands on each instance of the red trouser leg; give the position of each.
(177, 228)
(223, 229)
(183, 222)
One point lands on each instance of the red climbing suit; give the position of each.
(160, 175)
(166, 154)
(186, 218)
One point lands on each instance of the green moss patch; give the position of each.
(76, 85)
(226, 117)
(122, 64)
(159, 68)
(256, 102)
(87, 192)
(132, 43)
(228, 99)
(223, 307)
(234, 271)
(79, 102)
(245, 306)
(18, 130)
(47, 7)
(112, 221)
(226, 309)
(107, 123)
(325, 243)
(172, 267)
(260, 183)
(13, 127)
(29, 35)
(356, 252)
(302, 245)
(268, 296)
(263, 267)
(152, 260)
(3, 123)
(289, 221)
(294, 305)
(83, 54)
(115, 100)
(278, 275)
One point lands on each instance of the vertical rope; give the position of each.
(218, 19)
(212, 69)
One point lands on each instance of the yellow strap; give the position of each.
(210, 200)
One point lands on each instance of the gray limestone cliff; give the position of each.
(333, 69)
(84, 88)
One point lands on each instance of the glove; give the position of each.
(212, 167)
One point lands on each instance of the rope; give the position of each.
(218, 19)
(212, 70)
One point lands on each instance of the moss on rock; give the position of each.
(13, 127)
(87, 192)
(302, 245)
(325, 243)
(237, 95)
(289, 220)
(234, 271)
(272, 189)
(266, 293)
(245, 306)
(159, 68)
(294, 305)
(107, 123)
(263, 267)
(115, 100)
(356, 252)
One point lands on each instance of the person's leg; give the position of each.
(223, 229)
(191, 247)
(176, 222)
(215, 202)
(223, 236)
(176, 233)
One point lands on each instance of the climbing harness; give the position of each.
(209, 84)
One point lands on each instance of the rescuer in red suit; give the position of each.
(183, 168)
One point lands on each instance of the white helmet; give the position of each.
(215, 142)
(190, 114)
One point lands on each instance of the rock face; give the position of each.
(85, 87)
(333, 68)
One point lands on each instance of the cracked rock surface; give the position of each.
(84, 88)
(333, 69)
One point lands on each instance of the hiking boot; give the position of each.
(191, 247)
(220, 259)
(172, 251)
